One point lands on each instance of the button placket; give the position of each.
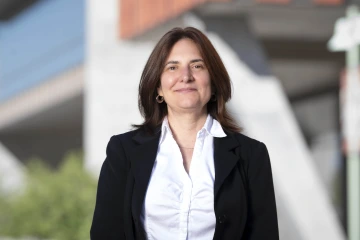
(184, 194)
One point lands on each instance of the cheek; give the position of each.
(206, 83)
(208, 90)
(167, 82)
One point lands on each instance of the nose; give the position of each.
(186, 75)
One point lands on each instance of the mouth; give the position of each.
(185, 90)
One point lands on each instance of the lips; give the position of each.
(184, 90)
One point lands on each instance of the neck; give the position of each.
(185, 127)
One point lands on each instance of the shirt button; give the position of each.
(222, 219)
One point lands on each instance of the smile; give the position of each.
(185, 90)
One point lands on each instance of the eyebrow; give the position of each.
(192, 61)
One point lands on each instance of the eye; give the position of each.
(171, 68)
(198, 66)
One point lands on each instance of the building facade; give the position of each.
(69, 73)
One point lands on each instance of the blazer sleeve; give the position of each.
(262, 217)
(108, 220)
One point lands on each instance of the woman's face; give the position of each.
(185, 81)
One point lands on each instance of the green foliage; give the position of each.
(55, 204)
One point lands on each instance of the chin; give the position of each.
(193, 107)
(188, 105)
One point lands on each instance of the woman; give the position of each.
(186, 172)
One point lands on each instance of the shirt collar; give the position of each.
(164, 129)
(211, 126)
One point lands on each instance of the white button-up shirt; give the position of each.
(178, 205)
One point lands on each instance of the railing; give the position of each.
(44, 40)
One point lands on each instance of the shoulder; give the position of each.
(119, 142)
(246, 142)
(131, 139)
(124, 138)
(252, 151)
(117, 148)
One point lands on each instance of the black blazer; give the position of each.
(244, 201)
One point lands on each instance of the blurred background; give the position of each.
(69, 73)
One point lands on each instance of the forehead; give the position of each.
(184, 48)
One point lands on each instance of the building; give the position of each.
(62, 64)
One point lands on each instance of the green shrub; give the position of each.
(55, 204)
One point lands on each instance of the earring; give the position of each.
(213, 97)
(159, 99)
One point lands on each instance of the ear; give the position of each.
(159, 91)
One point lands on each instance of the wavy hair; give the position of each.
(153, 112)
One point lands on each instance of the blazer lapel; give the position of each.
(224, 159)
(144, 154)
(143, 157)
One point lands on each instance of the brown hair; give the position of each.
(154, 112)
